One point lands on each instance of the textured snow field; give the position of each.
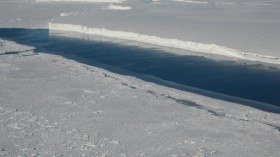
(52, 106)
(93, 1)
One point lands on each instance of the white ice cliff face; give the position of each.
(174, 43)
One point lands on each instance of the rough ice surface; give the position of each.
(53, 106)
(64, 108)
(95, 1)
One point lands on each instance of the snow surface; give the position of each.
(187, 1)
(95, 1)
(60, 107)
(118, 7)
(248, 26)
(53, 106)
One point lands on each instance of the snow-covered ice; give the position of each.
(62, 107)
(53, 106)
(118, 7)
(187, 1)
(94, 1)
(250, 28)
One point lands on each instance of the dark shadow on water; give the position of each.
(254, 84)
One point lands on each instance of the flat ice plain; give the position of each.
(52, 106)
(246, 29)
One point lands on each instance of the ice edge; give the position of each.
(174, 43)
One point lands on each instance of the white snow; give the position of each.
(118, 7)
(95, 1)
(69, 14)
(187, 1)
(54, 106)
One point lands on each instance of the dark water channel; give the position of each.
(243, 79)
